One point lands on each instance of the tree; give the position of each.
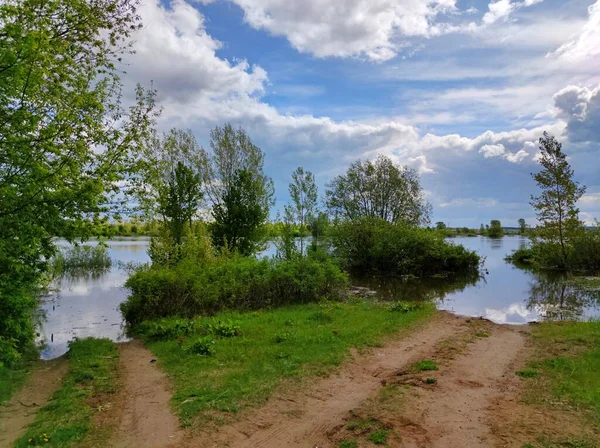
(522, 226)
(378, 189)
(240, 217)
(496, 230)
(179, 199)
(286, 243)
(303, 192)
(65, 137)
(556, 206)
(237, 164)
(159, 159)
(440, 225)
(481, 229)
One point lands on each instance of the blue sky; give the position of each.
(458, 89)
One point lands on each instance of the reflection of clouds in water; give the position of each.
(516, 313)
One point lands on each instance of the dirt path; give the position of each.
(456, 411)
(306, 418)
(20, 411)
(143, 412)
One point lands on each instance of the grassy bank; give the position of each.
(67, 418)
(564, 377)
(224, 364)
(12, 378)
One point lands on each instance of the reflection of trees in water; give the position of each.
(410, 289)
(496, 243)
(555, 299)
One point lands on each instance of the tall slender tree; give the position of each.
(556, 206)
(303, 191)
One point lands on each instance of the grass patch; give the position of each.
(272, 348)
(67, 418)
(379, 437)
(348, 444)
(527, 373)
(81, 260)
(12, 378)
(426, 365)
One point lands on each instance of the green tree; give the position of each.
(496, 230)
(481, 229)
(240, 217)
(440, 225)
(556, 205)
(286, 242)
(179, 200)
(303, 192)
(319, 225)
(241, 193)
(522, 226)
(378, 189)
(65, 137)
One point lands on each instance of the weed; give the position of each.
(202, 346)
(430, 380)
(527, 373)
(404, 307)
(426, 365)
(226, 329)
(379, 437)
(348, 444)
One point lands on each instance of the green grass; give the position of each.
(67, 418)
(379, 437)
(527, 373)
(348, 444)
(273, 347)
(12, 378)
(571, 372)
(426, 365)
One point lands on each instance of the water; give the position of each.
(505, 294)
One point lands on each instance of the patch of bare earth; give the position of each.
(20, 411)
(141, 413)
(310, 417)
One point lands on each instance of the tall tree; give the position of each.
(496, 230)
(556, 207)
(379, 189)
(303, 192)
(65, 137)
(522, 226)
(238, 186)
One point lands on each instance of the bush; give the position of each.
(189, 289)
(81, 259)
(202, 346)
(379, 247)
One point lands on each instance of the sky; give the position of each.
(460, 90)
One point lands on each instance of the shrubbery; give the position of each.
(191, 288)
(372, 245)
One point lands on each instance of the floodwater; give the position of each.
(504, 294)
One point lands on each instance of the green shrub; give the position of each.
(226, 329)
(379, 247)
(379, 437)
(189, 289)
(81, 259)
(202, 346)
(426, 365)
(404, 307)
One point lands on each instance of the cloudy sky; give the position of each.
(459, 89)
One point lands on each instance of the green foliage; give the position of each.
(226, 329)
(15, 371)
(348, 444)
(195, 246)
(378, 189)
(189, 289)
(303, 192)
(67, 418)
(379, 437)
(522, 226)
(430, 380)
(376, 246)
(81, 259)
(425, 365)
(202, 346)
(570, 375)
(495, 230)
(66, 139)
(241, 193)
(404, 307)
(243, 371)
(527, 373)
(440, 225)
(524, 256)
(556, 205)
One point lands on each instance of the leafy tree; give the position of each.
(179, 200)
(238, 186)
(481, 229)
(156, 166)
(65, 137)
(556, 206)
(379, 189)
(303, 192)
(240, 217)
(319, 225)
(286, 243)
(440, 225)
(522, 226)
(496, 230)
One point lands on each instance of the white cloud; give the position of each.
(580, 108)
(502, 9)
(587, 46)
(517, 157)
(492, 150)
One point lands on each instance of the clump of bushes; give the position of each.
(372, 245)
(81, 259)
(189, 288)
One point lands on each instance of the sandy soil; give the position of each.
(143, 415)
(20, 411)
(305, 418)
